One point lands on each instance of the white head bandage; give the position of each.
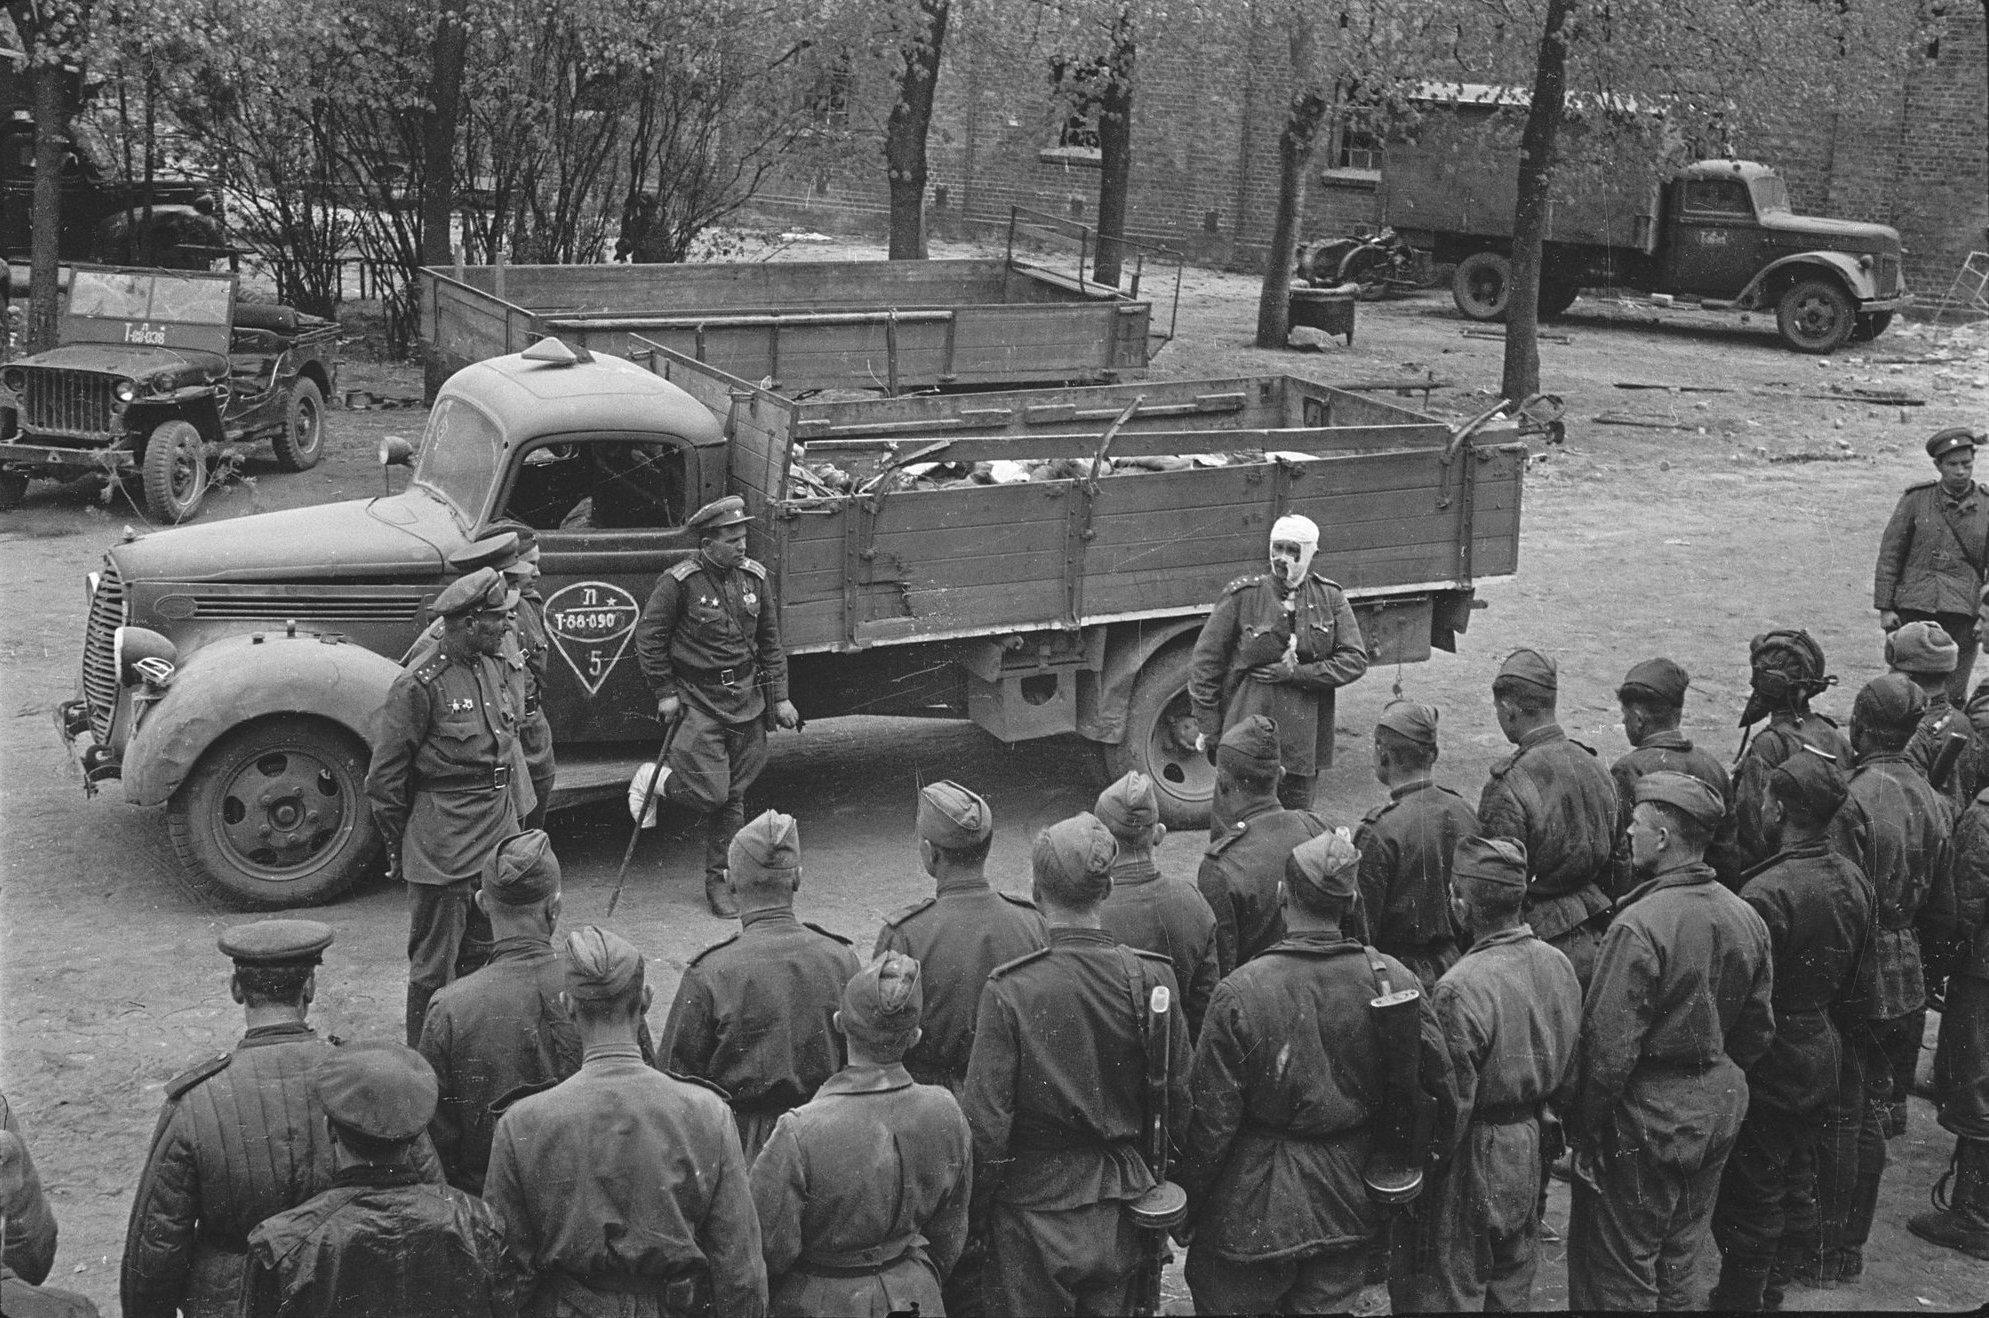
(1301, 531)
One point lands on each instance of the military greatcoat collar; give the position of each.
(1540, 736)
(1126, 873)
(775, 918)
(1316, 942)
(287, 1032)
(1666, 739)
(1401, 790)
(607, 1054)
(1070, 935)
(971, 884)
(520, 948)
(368, 1174)
(864, 1078)
(1678, 876)
(1515, 933)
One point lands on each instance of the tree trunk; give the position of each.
(1295, 147)
(1529, 219)
(45, 212)
(905, 132)
(438, 137)
(1115, 151)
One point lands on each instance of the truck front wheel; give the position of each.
(275, 815)
(301, 442)
(1870, 326)
(1160, 743)
(1481, 285)
(175, 472)
(1815, 316)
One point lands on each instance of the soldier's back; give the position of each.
(958, 938)
(1524, 1007)
(1240, 875)
(773, 991)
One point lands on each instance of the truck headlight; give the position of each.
(15, 379)
(124, 390)
(142, 655)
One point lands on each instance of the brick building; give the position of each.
(1205, 142)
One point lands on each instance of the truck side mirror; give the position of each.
(395, 451)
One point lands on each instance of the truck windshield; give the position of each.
(459, 455)
(1770, 193)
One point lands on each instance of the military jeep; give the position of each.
(165, 373)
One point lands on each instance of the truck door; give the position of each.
(1715, 247)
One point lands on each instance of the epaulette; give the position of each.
(1381, 810)
(723, 942)
(682, 569)
(1159, 958)
(1241, 582)
(1023, 960)
(1501, 767)
(826, 933)
(433, 669)
(1923, 485)
(1324, 581)
(516, 1092)
(196, 1074)
(904, 913)
(1590, 749)
(1217, 847)
(754, 566)
(1013, 900)
(701, 1083)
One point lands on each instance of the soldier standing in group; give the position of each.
(1786, 673)
(29, 1228)
(709, 644)
(443, 782)
(1818, 909)
(379, 1242)
(622, 1189)
(1553, 798)
(863, 1190)
(1677, 1012)
(1055, 1094)
(1896, 828)
(1933, 552)
(1286, 1090)
(755, 1013)
(1279, 644)
(1942, 744)
(1511, 1011)
(1652, 698)
(533, 646)
(1241, 869)
(1406, 844)
(1150, 910)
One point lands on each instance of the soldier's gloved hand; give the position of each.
(787, 715)
(1888, 620)
(667, 707)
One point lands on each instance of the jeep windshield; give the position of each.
(459, 456)
(151, 296)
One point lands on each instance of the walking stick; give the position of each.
(648, 799)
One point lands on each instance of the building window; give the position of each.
(1359, 149)
(828, 98)
(1078, 87)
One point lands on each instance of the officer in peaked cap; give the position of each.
(512, 548)
(1240, 870)
(1156, 911)
(709, 644)
(447, 780)
(1652, 698)
(1933, 552)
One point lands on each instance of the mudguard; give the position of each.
(1857, 279)
(229, 682)
(1101, 703)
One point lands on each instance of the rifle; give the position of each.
(1166, 1204)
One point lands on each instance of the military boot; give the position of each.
(1962, 1221)
(1741, 1285)
(718, 896)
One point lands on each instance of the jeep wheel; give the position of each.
(301, 442)
(175, 472)
(1160, 742)
(13, 489)
(1870, 326)
(1814, 316)
(275, 815)
(1481, 284)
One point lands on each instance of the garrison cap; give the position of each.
(883, 998)
(1944, 442)
(1812, 781)
(768, 844)
(1129, 807)
(1655, 679)
(498, 550)
(601, 965)
(1327, 864)
(477, 592)
(950, 816)
(1684, 793)
(1531, 667)
(1072, 859)
(1893, 701)
(384, 1091)
(1498, 861)
(1409, 721)
(522, 869)
(1921, 647)
(1251, 744)
(728, 511)
(276, 943)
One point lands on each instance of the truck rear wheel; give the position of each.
(1160, 742)
(1870, 326)
(275, 815)
(1815, 316)
(175, 473)
(1481, 285)
(301, 442)
(1556, 297)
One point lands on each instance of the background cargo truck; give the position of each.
(233, 672)
(1718, 233)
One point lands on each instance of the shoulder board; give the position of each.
(511, 1096)
(1158, 958)
(701, 1083)
(826, 933)
(904, 913)
(1379, 811)
(1822, 717)
(1013, 900)
(1223, 843)
(197, 1073)
(431, 670)
(1325, 581)
(1019, 962)
(1501, 767)
(1923, 485)
(683, 569)
(754, 566)
(723, 942)
(1242, 582)
(1591, 750)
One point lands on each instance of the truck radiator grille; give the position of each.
(99, 667)
(282, 607)
(1888, 276)
(70, 402)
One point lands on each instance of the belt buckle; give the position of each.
(726, 677)
(500, 777)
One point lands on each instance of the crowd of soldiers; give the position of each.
(1333, 1055)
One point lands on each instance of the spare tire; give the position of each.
(1482, 285)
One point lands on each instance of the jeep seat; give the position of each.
(264, 316)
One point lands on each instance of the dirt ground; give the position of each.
(1761, 508)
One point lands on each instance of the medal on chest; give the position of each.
(462, 705)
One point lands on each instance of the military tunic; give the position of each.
(20, 1299)
(1250, 627)
(535, 734)
(1784, 735)
(862, 1194)
(1055, 1097)
(1552, 797)
(1958, 919)
(1240, 875)
(1939, 726)
(754, 1015)
(1923, 565)
(958, 936)
(1285, 1089)
(1669, 750)
(1169, 917)
(31, 1231)
(1510, 1010)
(1406, 844)
(1679, 1008)
(622, 1191)
(380, 1243)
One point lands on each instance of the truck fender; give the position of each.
(1101, 702)
(1778, 275)
(231, 681)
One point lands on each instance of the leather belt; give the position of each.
(1506, 1114)
(734, 676)
(497, 780)
(857, 1262)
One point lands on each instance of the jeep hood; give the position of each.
(1843, 235)
(401, 537)
(135, 361)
